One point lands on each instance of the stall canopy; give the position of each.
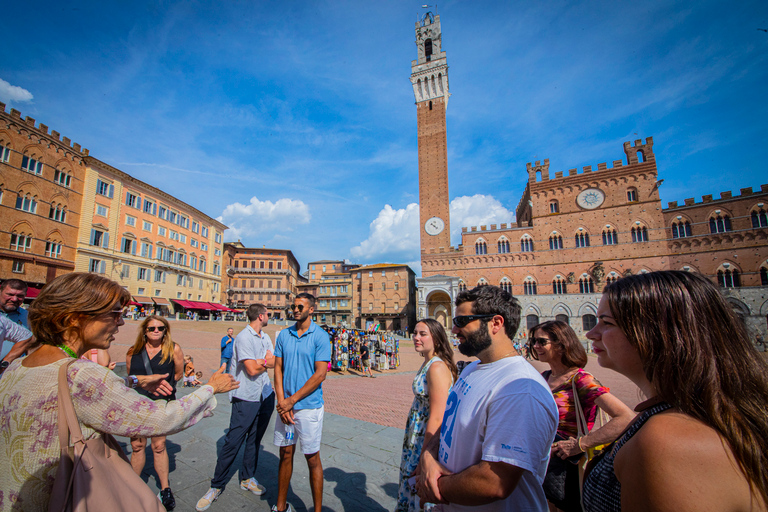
(161, 301)
(32, 292)
(140, 300)
(219, 307)
(192, 304)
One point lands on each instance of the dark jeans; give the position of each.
(247, 424)
(226, 360)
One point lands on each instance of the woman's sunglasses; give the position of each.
(160, 328)
(539, 341)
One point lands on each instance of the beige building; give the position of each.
(261, 275)
(160, 248)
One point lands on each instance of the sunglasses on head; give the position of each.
(539, 341)
(299, 307)
(462, 321)
(160, 328)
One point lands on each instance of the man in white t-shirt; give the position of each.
(500, 419)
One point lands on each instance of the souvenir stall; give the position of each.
(345, 351)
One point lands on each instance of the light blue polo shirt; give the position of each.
(299, 355)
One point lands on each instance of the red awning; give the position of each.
(201, 305)
(219, 307)
(32, 292)
(183, 303)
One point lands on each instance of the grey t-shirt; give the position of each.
(249, 344)
(10, 334)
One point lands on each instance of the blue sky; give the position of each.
(294, 122)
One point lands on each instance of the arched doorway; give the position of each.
(440, 308)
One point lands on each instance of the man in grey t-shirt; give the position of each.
(252, 406)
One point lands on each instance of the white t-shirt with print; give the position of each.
(501, 412)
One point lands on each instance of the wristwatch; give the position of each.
(4, 366)
(132, 381)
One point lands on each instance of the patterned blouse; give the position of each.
(589, 389)
(29, 437)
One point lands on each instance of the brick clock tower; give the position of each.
(429, 77)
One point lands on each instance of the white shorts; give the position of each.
(308, 427)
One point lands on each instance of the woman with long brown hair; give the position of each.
(155, 353)
(430, 388)
(73, 314)
(699, 440)
(555, 343)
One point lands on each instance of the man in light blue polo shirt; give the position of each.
(302, 354)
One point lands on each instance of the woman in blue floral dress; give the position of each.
(430, 388)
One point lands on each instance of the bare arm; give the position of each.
(621, 416)
(439, 385)
(285, 416)
(18, 349)
(178, 362)
(485, 482)
(254, 367)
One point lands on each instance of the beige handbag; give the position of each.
(94, 474)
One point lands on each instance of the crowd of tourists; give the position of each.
(491, 435)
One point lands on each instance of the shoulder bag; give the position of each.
(94, 474)
(583, 426)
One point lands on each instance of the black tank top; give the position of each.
(137, 368)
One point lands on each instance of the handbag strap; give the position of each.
(581, 421)
(145, 358)
(69, 427)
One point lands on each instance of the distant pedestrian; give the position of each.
(301, 364)
(365, 359)
(226, 348)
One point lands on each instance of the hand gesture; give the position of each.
(155, 384)
(222, 382)
(269, 360)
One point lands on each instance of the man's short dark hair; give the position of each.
(492, 300)
(254, 310)
(308, 297)
(15, 284)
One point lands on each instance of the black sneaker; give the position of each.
(166, 497)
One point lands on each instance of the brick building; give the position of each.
(41, 188)
(384, 294)
(575, 231)
(164, 251)
(266, 276)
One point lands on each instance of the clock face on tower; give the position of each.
(590, 198)
(434, 226)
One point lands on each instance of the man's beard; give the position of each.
(476, 342)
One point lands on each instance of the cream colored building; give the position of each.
(159, 248)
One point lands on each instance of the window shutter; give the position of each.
(154, 209)
(105, 239)
(102, 267)
(133, 247)
(93, 235)
(138, 203)
(111, 191)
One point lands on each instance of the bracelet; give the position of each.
(578, 443)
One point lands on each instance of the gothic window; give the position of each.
(462, 286)
(554, 206)
(763, 276)
(531, 321)
(482, 282)
(503, 246)
(559, 286)
(719, 224)
(526, 244)
(428, 49)
(639, 234)
(32, 165)
(555, 242)
(26, 202)
(610, 237)
(21, 242)
(563, 318)
(612, 278)
(58, 213)
(506, 285)
(529, 286)
(728, 278)
(586, 285)
(588, 322)
(582, 239)
(632, 195)
(481, 247)
(681, 229)
(759, 218)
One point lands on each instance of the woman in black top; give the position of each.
(154, 353)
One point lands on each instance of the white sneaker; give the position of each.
(288, 508)
(205, 502)
(253, 485)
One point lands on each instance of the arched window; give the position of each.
(632, 195)
(462, 286)
(481, 247)
(32, 165)
(26, 202)
(529, 286)
(506, 285)
(763, 276)
(5, 151)
(609, 236)
(53, 248)
(428, 49)
(503, 245)
(555, 242)
(21, 242)
(559, 286)
(482, 282)
(526, 244)
(563, 318)
(728, 277)
(554, 206)
(531, 321)
(58, 213)
(582, 239)
(586, 285)
(759, 218)
(62, 178)
(681, 229)
(639, 234)
(588, 322)
(719, 223)
(612, 278)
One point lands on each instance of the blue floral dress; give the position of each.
(414, 440)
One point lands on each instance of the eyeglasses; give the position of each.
(540, 341)
(462, 321)
(160, 328)
(117, 313)
(299, 307)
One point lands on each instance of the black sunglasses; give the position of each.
(462, 321)
(160, 328)
(300, 307)
(539, 341)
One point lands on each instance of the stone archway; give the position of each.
(440, 308)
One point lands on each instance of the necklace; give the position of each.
(570, 370)
(67, 350)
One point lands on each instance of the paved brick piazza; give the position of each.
(362, 434)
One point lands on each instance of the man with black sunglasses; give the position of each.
(302, 354)
(500, 419)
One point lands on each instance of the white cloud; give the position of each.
(10, 92)
(260, 218)
(394, 234)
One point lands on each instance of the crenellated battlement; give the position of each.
(724, 196)
(490, 229)
(42, 130)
